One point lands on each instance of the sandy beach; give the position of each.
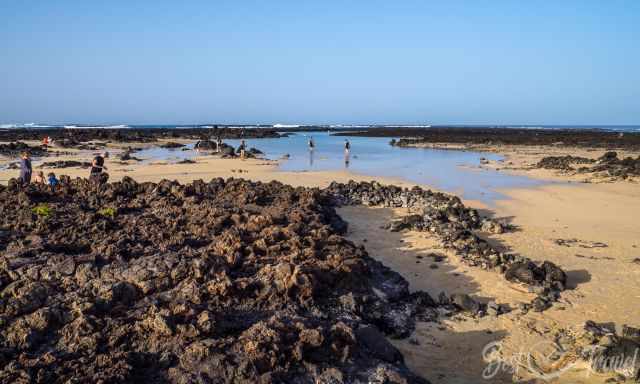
(588, 229)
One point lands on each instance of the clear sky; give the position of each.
(505, 62)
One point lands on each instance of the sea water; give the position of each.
(453, 171)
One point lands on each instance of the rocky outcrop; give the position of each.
(447, 217)
(16, 148)
(171, 145)
(608, 165)
(74, 137)
(65, 164)
(564, 163)
(220, 281)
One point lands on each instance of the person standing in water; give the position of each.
(347, 148)
(242, 148)
(25, 168)
(218, 144)
(312, 145)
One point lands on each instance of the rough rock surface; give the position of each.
(73, 137)
(65, 164)
(563, 162)
(583, 138)
(14, 149)
(447, 217)
(219, 282)
(608, 164)
(613, 166)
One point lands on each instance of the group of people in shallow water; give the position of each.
(96, 173)
(312, 147)
(347, 145)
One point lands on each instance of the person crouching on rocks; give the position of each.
(25, 168)
(39, 179)
(97, 166)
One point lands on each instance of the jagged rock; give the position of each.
(171, 144)
(183, 283)
(377, 344)
(65, 164)
(465, 302)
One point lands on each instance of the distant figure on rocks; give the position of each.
(347, 147)
(96, 168)
(25, 168)
(39, 179)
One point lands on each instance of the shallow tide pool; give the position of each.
(449, 170)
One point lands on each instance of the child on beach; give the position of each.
(25, 168)
(52, 180)
(39, 179)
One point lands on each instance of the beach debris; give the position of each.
(580, 243)
(230, 279)
(186, 161)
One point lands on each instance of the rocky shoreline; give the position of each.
(74, 137)
(503, 136)
(244, 281)
(608, 165)
(249, 282)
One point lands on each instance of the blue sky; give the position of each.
(466, 62)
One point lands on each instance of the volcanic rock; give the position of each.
(220, 281)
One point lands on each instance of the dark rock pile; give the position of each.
(608, 164)
(583, 138)
(616, 167)
(564, 163)
(73, 137)
(448, 218)
(15, 149)
(65, 164)
(225, 281)
(171, 144)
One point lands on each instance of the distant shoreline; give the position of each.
(584, 138)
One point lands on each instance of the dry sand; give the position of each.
(605, 281)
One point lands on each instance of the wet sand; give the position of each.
(604, 280)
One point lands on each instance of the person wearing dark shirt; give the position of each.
(97, 167)
(25, 168)
(347, 146)
(242, 148)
